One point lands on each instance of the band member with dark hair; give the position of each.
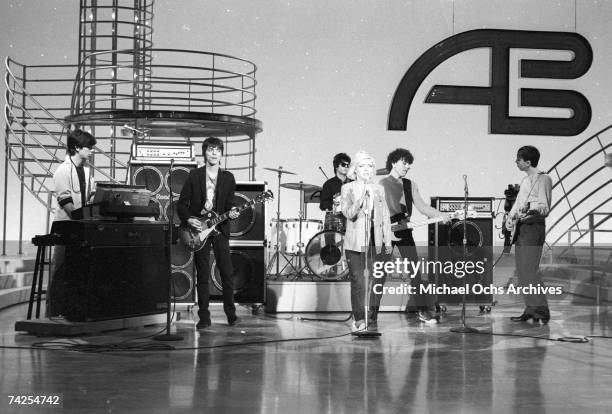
(330, 193)
(72, 179)
(210, 188)
(402, 194)
(527, 221)
(367, 237)
(74, 185)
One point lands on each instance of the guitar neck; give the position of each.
(225, 216)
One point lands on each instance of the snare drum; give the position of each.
(295, 244)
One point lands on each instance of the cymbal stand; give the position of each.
(277, 252)
(300, 244)
(275, 257)
(302, 268)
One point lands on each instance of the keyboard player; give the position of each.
(74, 185)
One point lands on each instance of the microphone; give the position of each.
(326, 177)
(129, 128)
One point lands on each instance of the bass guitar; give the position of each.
(406, 224)
(194, 240)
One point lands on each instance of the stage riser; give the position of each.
(321, 297)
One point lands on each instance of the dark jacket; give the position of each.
(193, 196)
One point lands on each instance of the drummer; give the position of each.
(330, 194)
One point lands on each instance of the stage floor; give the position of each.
(282, 364)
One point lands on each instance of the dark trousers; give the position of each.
(220, 247)
(357, 264)
(528, 252)
(407, 249)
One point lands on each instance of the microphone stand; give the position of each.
(464, 328)
(323, 172)
(168, 336)
(366, 271)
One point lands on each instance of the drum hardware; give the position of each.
(280, 171)
(309, 248)
(291, 245)
(301, 186)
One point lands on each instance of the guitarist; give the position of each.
(210, 188)
(401, 194)
(527, 222)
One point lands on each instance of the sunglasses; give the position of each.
(344, 164)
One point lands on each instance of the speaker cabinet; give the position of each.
(249, 270)
(104, 282)
(453, 265)
(158, 178)
(161, 180)
(251, 223)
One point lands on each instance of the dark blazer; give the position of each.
(193, 196)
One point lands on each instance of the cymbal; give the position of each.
(301, 186)
(382, 171)
(280, 170)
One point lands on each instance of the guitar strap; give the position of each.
(407, 184)
(532, 187)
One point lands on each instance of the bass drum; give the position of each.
(325, 255)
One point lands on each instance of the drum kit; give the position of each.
(311, 248)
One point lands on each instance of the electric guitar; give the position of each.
(406, 224)
(194, 240)
(514, 222)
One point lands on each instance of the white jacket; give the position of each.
(66, 182)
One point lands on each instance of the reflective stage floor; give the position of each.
(283, 364)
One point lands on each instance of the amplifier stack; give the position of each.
(446, 245)
(150, 166)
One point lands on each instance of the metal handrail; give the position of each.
(155, 94)
(14, 88)
(56, 120)
(589, 176)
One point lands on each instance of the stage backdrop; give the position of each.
(328, 71)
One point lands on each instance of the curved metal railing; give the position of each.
(177, 80)
(34, 135)
(579, 189)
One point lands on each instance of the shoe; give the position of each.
(426, 317)
(522, 318)
(233, 320)
(358, 326)
(542, 313)
(411, 309)
(203, 324)
(525, 317)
